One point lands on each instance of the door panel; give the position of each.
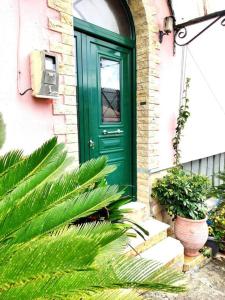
(107, 106)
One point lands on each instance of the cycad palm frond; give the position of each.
(38, 201)
(9, 159)
(29, 173)
(2, 131)
(113, 295)
(56, 216)
(53, 254)
(44, 256)
(26, 167)
(140, 274)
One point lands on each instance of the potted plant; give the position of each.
(183, 196)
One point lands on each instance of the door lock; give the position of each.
(92, 144)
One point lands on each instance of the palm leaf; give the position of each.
(44, 196)
(44, 256)
(108, 295)
(9, 159)
(47, 257)
(63, 213)
(53, 253)
(2, 131)
(103, 232)
(117, 214)
(114, 295)
(107, 235)
(27, 166)
(16, 192)
(137, 273)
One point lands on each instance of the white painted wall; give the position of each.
(205, 65)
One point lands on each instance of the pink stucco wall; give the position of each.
(29, 122)
(169, 89)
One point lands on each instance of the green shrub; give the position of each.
(182, 194)
(217, 216)
(217, 225)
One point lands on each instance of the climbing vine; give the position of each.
(183, 115)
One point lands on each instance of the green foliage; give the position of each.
(207, 252)
(217, 225)
(2, 131)
(181, 121)
(44, 256)
(115, 213)
(182, 194)
(219, 191)
(217, 216)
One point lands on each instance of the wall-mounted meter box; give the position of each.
(44, 75)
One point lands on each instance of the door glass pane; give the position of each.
(108, 14)
(110, 90)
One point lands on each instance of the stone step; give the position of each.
(168, 252)
(192, 264)
(138, 211)
(157, 232)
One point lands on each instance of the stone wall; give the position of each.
(144, 15)
(65, 109)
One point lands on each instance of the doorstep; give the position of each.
(169, 252)
(157, 232)
(192, 264)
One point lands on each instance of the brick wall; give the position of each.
(65, 109)
(144, 16)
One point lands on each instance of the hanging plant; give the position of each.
(182, 118)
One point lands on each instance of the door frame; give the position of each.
(130, 43)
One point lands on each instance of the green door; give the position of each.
(104, 100)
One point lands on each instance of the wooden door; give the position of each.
(105, 112)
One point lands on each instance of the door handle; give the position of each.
(91, 144)
(118, 131)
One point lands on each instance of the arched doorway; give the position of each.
(105, 51)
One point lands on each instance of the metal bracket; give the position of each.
(181, 29)
(161, 35)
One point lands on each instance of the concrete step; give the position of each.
(157, 232)
(138, 211)
(192, 264)
(168, 252)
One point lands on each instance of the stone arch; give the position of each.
(147, 65)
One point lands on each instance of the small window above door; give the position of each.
(108, 14)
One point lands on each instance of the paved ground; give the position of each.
(206, 284)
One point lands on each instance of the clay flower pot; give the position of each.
(192, 234)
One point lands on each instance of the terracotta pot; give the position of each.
(192, 234)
